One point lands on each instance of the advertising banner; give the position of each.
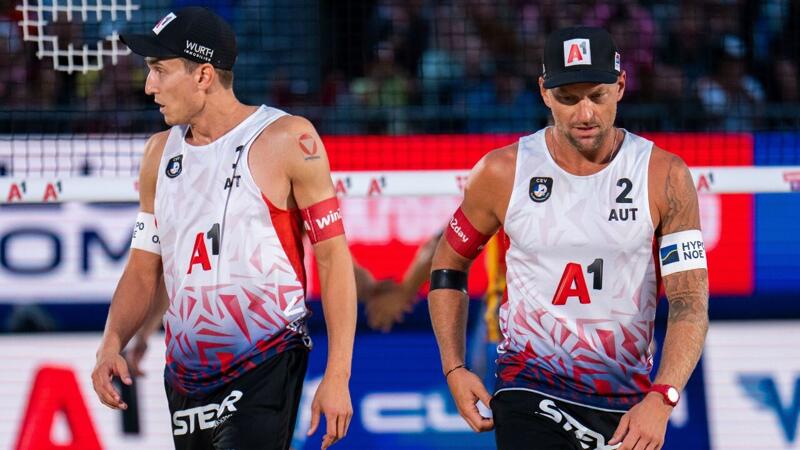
(752, 373)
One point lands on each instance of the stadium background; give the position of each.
(397, 85)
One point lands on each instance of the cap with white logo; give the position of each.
(195, 33)
(580, 55)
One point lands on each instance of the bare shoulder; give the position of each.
(490, 183)
(287, 129)
(498, 165)
(290, 139)
(154, 147)
(148, 175)
(675, 195)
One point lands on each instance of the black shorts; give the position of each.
(530, 421)
(255, 411)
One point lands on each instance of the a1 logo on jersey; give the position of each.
(174, 166)
(540, 188)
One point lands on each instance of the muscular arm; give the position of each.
(310, 181)
(488, 187)
(135, 291)
(486, 198)
(133, 298)
(687, 292)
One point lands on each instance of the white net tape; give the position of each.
(390, 183)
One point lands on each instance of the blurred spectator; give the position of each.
(786, 85)
(500, 105)
(633, 30)
(385, 83)
(732, 97)
(12, 74)
(441, 69)
(384, 58)
(405, 27)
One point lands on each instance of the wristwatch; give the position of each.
(669, 393)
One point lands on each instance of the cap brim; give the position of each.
(580, 76)
(146, 45)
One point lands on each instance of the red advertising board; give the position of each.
(384, 233)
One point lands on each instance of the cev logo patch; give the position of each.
(37, 14)
(577, 52)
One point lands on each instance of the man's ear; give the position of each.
(205, 74)
(543, 92)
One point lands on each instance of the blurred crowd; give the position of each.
(454, 65)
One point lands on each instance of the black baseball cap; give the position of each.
(580, 55)
(195, 33)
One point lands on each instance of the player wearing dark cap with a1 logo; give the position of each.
(225, 195)
(581, 203)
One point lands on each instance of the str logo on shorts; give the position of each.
(587, 437)
(174, 166)
(207, 416)
(540, 188)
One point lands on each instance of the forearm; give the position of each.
(418, 272)
(448, 309)
(365, 283)
(686, 327)
(130, 309)
(335, 268)
(155, 316)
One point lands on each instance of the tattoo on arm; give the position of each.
(308, 144)
(688, 296)
(682, 212)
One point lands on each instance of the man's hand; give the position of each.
(644, 426)
(467, 389)
(109, 365)
(134, 355)
(333, 400)
(387, 305)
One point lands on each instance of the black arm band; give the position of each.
(449, 279)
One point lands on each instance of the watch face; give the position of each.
(673, 395)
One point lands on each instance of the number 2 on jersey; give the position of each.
(573, 283)
(199, 251)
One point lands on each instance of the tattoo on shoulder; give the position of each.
(681, 199)
(309, 146)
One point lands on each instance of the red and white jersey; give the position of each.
(233, 262)
(581, 278)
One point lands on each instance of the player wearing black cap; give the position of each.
(225, 197)
(581, 204)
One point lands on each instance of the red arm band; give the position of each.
(323, 220)
(463, 237)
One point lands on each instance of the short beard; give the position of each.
(593, 147)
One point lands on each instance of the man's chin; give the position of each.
(586, 144)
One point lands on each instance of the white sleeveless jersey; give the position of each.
(233, 263)
(581, 279)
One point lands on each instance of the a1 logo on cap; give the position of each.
(164, 22)
(577, 52)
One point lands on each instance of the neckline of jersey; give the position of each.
(622, 145)
(247, 119)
